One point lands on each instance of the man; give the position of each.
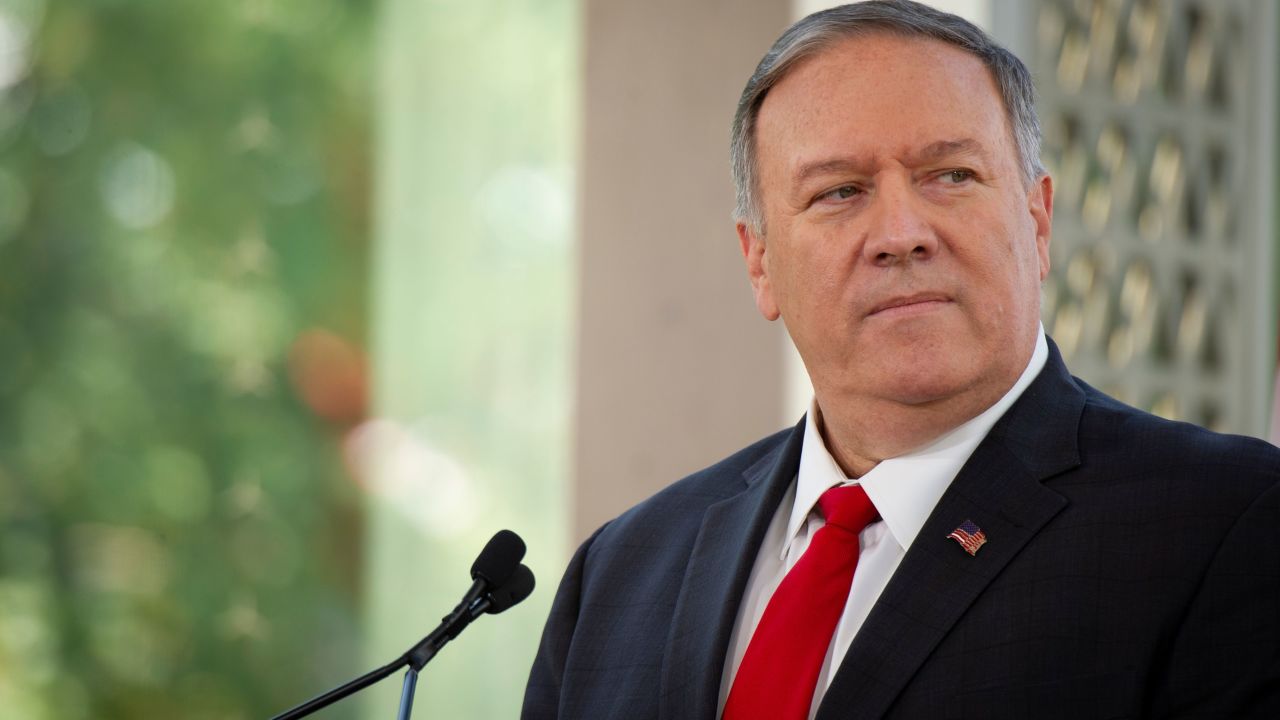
(1021, 546)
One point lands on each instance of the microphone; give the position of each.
(516, 589)
(499, 582)
(494, 564)
(499, 558)
(479, 599)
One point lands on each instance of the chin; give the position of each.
(924, 393)
(915, 382)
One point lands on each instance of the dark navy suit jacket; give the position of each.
(1132, 569)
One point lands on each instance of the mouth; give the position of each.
(909, 305)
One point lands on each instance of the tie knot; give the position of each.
(848, 507)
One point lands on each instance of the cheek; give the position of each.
(1023, 263)
(1003, 278)
(811, 267)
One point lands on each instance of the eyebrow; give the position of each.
(930, 153)
(948, 148)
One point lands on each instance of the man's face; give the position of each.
(902, 246)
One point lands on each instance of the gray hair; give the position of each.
(821, 30)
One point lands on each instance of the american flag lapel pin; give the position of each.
(970, 536)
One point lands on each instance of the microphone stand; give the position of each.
(499, 582)
(473, 604)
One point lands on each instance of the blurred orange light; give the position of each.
(330, 375)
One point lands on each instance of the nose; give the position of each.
(899, 230)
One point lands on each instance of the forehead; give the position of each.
(881, 93)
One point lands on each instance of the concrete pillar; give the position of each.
(676, 369)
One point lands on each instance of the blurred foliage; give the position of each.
(184, 225)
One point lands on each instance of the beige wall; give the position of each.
(675, 367)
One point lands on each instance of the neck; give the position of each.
(862, 432)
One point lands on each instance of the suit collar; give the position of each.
(711, 591)
(906, 489)
(1000, 489)
(1042, 429)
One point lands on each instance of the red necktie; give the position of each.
(780, 668)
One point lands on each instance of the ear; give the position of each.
(753, 251)
(1040, 203)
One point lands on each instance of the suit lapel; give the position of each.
(1000, 490)
(719, 566)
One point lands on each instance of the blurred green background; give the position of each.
(219, 222)
(184, 242)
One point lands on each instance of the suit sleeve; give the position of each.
(1225, 660)
(542, 694)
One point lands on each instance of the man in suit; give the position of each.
(1025, 547)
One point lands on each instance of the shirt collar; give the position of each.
(904, 489)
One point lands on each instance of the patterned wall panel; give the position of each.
(1151, 113)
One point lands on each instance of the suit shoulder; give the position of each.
(1114, 432)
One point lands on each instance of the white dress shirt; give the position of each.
(904, 490)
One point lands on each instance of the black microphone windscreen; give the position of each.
(513, 591)
(498, 559)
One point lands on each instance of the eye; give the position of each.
(844, 192)
(955, 177)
